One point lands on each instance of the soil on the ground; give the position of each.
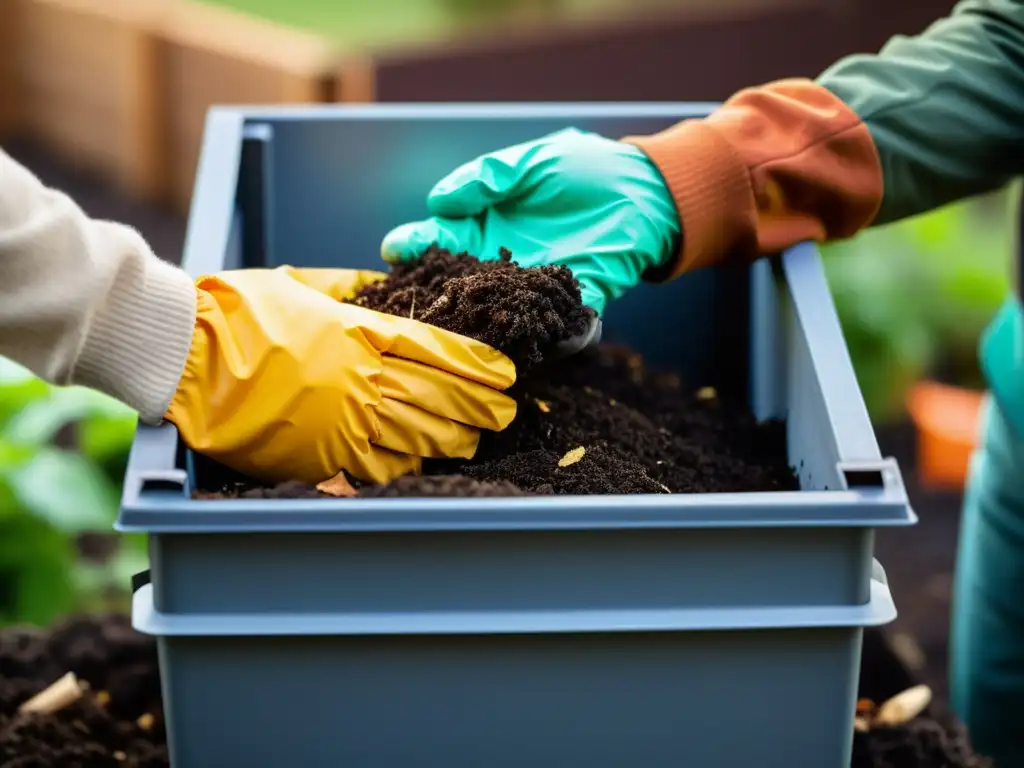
(118, 723)
(599, 422)
(919, 561)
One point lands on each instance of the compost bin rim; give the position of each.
(877, 611)
(468, 110)
(799, 509)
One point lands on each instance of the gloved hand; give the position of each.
(598, 206)
(283, 381)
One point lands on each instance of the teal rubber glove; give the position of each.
(598, 206)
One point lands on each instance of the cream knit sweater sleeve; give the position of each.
(86, 302)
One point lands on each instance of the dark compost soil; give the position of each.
(639, 431)
(119, 722)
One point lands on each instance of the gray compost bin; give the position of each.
(569, 632)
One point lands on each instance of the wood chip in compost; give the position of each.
(572, 457)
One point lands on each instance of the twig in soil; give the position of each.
(66, 691)
(904, 707)
(908, 651)
(897, 711)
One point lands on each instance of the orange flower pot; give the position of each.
(946, 419)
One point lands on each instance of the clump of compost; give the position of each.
(118, 722)
(520, 312)
(599, 422)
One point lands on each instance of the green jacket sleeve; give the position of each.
(945, 108)
(928, 120)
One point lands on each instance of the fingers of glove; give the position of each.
(422, 343)
(338, 284)
(409, 241)
(446, 395)
(483, 182)
(380, 465)
(498, 176)
(404, 428)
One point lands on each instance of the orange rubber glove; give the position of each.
(286, 382)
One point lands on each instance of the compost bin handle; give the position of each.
(142, 578)
(878, 573)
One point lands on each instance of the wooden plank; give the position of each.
(10, 95)
(214, 57)
(689, 56)
(88, 72)
(356, 80)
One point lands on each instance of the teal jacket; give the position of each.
(945, 108)
(877, 137)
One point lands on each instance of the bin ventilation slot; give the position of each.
(163, 484)
(872, 474)
(864, 478)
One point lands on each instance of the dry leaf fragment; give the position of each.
(102, 698)
(904, 707)
(338, 486)
(145, 721)
(665, 488)
(707, 393)
(543, 406)
(572, 457)
(864, 706)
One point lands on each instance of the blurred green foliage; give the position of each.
(914, 297)
(63, 453)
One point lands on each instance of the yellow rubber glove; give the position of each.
(285, 382)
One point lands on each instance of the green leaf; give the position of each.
(66, 490)
(13, 455)
(40, 420)
(14, 396)
(36, 565)
(13, 373)
(105, 438)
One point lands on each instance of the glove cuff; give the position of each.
(711, 187)
(137, 344)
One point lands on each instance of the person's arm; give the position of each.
(928, 120)
(86, 302)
